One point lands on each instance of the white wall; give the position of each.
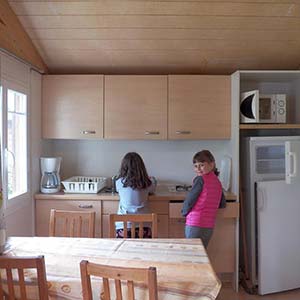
(168, 161)
(36, 142)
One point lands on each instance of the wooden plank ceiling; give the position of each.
(163, 37)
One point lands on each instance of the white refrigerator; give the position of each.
(272, 184)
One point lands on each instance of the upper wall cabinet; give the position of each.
(135, 107)
(199, 107)
(72, 106)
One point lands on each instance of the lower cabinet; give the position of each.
(221, 248)
(43, 207)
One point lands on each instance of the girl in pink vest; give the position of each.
(202, 202)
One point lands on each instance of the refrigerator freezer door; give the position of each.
(278, 238)
(292, 162)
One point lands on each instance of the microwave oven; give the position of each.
(262, 108)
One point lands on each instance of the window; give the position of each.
(16, 143)
(14, 123)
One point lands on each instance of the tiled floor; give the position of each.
(227, 293)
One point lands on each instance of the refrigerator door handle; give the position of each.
(291, 170)
(293, 158)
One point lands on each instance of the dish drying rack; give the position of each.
(84, 184)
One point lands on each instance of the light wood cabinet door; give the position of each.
(43, 207)
(72, 106)
(135, 107)
(199, 107)
(162, 226)
(221, 247)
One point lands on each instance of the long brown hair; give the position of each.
(203, 156)
(133, 172)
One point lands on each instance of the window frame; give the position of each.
(21, 200)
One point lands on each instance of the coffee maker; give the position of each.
(50, 181)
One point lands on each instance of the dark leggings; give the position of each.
(193, 232)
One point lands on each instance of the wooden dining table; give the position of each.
(183, 268)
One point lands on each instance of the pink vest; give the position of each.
(203, 214)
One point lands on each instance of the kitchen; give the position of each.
(94, 157)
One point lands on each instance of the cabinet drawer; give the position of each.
(230, 211)
(111, 207)
(159, 207)
(43, 208)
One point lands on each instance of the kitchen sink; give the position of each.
(108, 190)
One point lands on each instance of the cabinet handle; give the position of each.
(85, 206)
(151, 132)
(183, 132)
(89, 132)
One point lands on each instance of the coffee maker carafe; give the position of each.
(50, 181)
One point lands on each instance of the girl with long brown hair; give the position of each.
(133, 185)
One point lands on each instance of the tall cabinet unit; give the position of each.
(72, 106)
(135, 107)
(266, 83)
(199, 107)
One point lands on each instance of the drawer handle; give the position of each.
(89, 132)
(151, 132)
(85, 206)
(183, 132)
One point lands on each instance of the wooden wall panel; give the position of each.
(15, 40)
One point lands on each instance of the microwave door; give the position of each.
(250, 107)
(292, 162)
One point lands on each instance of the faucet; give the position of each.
(113, 184)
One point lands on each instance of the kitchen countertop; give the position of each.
(162, 194)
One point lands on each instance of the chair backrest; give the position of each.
(134, 219)
(147, 276)
(72, 223)
(12, 281)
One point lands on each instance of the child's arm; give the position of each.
(223, 201)
(192, 196)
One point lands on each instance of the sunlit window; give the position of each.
(16, 143)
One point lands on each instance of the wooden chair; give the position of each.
(21, 264)
(147, 276)
(72, 223)
(134, 219)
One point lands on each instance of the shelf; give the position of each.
(269, 126)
